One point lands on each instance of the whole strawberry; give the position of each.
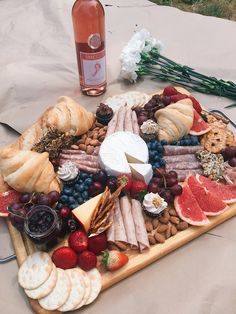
(87, 260)
(114, 260)
(65, 258)
(124, 180)
(138, 189)
(78, 241)
(98, 243)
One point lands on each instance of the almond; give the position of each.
(173, 212)
(182, 225)
(155, 223)
(74, 146)
(163, 220)
(95, 136)
(83, 137)
(94, 142)
(82, 147)
(151, 239)
(101, 133)
(148, 225)
(90, 149)
(159, 237)
(168, 232)
(174, 220)
(102, 138)
(162, 228)
(173, 230)
(166, 214)
(87, 141)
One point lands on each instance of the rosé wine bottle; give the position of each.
(89, 28)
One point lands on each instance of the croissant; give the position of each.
(175, 120)
(28, 171)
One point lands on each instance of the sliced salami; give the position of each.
(120, 234)
(140, 229)
(180, 158)
(128, 121)
(73, 151)
(81, 167)
(182, 174)
(183, 165)
(126, 212)
(135, 123)
(79, 157)
(170, 150)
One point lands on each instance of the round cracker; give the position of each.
(59, 294)
(77, 290)
(87, 287)
(35, 270)
(45, 288)
(96, 284)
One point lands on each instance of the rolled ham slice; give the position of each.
(128, 121)
(112, 124)
(135, 123)
(140, 229)
(111, 231)
(181, 150)
(183, 165)
(180, 158)
(120, 233)
(126, 212)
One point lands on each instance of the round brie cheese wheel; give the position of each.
(119, 149)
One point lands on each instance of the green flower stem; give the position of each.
(162, 68)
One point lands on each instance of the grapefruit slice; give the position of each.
(210, 203)
(188, 208)
(227, 193)
(199, 126)
(7, 198)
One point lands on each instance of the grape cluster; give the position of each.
(75, 195)
(18, 211)
(229, 155)
(155, 150)
(187, 140)
(165, 184)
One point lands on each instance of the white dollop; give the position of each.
(153, 203)
(149, 127)
(68, 171)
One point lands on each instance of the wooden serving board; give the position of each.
(23, 247)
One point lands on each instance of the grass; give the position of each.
(220, 8)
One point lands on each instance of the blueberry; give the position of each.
(160, 149)
(156, 157)
(64, 199)
(163, 142)
(76, 194)
(73, 205)
(154, 145)
(81, 188)
(162, 162)
(80, 200)
(149, 145)
(88, 181)
(76, 187)
(80, 181)
(151, 154)
(85, 194)
(157, 165)
(174, 143)
(67, 191)
(59, 206)
(83, 175)
(71, 199)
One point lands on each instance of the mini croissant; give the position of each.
(175, 120)
(28, 171)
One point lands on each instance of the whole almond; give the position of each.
(94, 142)
(163, 220)
(162, 228)
(174, 220)
(95, 136)
(159, 237)
(83, 137)
(166, 215)
(81, 141)
(173, 230)
(102, 138)
(148, 225)
(87, 141)
(155, 223)
(182, 225)
(173, 212)
(151, 239)
(82, 147)
(75, 146)
(168, 232)
(89, 150)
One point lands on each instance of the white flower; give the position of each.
(131, 54)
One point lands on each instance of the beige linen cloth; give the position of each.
(38, 64)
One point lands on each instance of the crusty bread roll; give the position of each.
(28, 171)
(175, 120)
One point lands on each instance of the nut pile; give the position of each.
(213, 164)
(90, 141)
(162, 228)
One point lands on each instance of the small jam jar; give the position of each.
(43, 227)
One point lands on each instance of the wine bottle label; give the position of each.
(93, 66)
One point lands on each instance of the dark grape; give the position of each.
(153, 187)
(112, 183)
(172, 174)
(44, 200)
(100, 176)
(171, 181)
(65, 213)
(25, 198)
(159, 173)
(176, 190)
(168, 197)
(232, 162)
(230, 152)
(72, 224)
(28, 206)
(15, 206)
(54, 197)
(35, 198)
(142, 119)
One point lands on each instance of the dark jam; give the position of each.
(43, 227)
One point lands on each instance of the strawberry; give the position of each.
(177, 97)
(138, 189)
(196, 104)
(169, 91)
(125, 180)
(65, 258)
(78, 241)
(87, 260)
(98, 243)
(114, 260)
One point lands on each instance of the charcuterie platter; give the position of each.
(92, 198)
